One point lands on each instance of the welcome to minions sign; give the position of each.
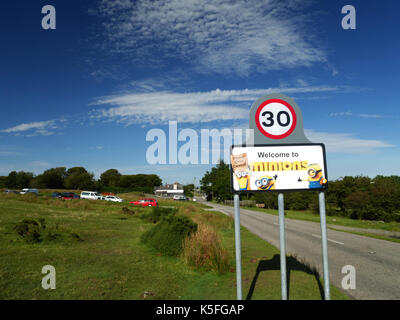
(278, 168)
(282, 158)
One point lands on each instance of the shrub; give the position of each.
(203, 249)
(29, 230)
(126, 210)
(158, 213)
(168, 235)
(33, 231)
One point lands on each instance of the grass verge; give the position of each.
(110, 261)
(335, 220)
(368, 234)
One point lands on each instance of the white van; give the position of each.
(179, 197)
(25, 191)
(91, 195)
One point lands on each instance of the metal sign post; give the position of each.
(282, 246)
(280, 159)
(236, 201)
(324, 245)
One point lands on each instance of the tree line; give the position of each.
(78, 178)
(356, 197)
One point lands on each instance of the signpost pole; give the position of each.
(282, 245)
(324, 245)
(238, 248)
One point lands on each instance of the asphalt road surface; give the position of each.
(377, 262)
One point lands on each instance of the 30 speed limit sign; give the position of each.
(275, 118)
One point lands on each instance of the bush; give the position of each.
(158, 213)
(29, 230)
(128, 211)
(168, 235)
(35, 231)
(203, 249)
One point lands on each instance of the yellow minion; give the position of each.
(243, 178)
(315, 176)
(266, 183)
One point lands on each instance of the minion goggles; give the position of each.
(263, 182)
(241, 174)
(313, 175)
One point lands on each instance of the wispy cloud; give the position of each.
(351, 114)
(39, 164)
(190, 107)
(44, 128)
(346, 142)
(220, 36)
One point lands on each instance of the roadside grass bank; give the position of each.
(334, 220)
(97, 251)
(371, 235)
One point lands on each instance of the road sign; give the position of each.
(279, 158)
(276, 119)
(294, 167)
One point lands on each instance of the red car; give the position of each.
(69, 196)
(145, 202)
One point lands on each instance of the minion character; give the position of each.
(243, 178)
(315, 177)
(266, 183)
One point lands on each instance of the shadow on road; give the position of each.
(291, 264)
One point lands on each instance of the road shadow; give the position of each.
(291, 264)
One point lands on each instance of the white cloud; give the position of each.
(35, 128)
(220, 36)
(373, 116)
(360, 115)
(345, 142)
(40, 164)
(190, 107)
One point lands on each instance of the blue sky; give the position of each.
(88, 92)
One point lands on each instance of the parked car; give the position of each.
(113, 198)
(150, 202)
(11, 191)
(91, 195)
(27, 190)
(179, 197)
(57, 194)
(69, 196)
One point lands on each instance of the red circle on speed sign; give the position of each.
(275, 118)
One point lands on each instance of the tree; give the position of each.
(75, 170)
(188, 189)
(78, 178)
(52, 178)
(217, 182)
(110, 178)
(3, 181)
(11, 180)
(147, 181)
(23, 179)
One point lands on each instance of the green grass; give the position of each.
(335, 220)
(368, 234)
(112, 263)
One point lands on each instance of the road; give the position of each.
(377, 262)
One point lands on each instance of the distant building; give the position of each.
(169, 190)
